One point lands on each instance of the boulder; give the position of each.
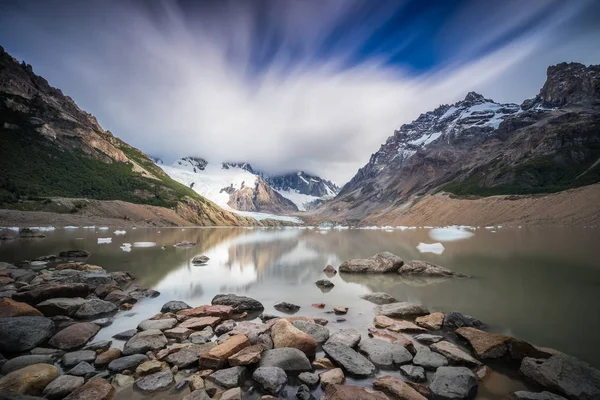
(19, 334)
(429, 360)
(74, 336)
(174, 306)
(329, 270)
(106, 357)
(424, 269)
(23, 361)
(453, 383)
(319, 333)
(523, 395)
(160, 324)
(61, 306)
(82, 369)
(127, 362)
(288, 359)
(75, 357)
(454, 354)
(384, 354)
(271, 379)
(218, 356)
(95, 308)
(414, 373)
(145, 341)
(284, 334)
(401, 310)
(347, 337)
(454, 320)
(48, 291)
(433, 321)
(155, 382)
(564, 374)
(74, 254)
(355, 364)
(286, 307)
(333, 376)
(396, 388)
(486, 345)
(238, 303)
(247, 356)
(380, 263)
(30, 380)
(324, 284)
(182, 359)
(62, 387)
(345, 392)
(378, 298)
(10, 308)
(199, 323)
(95, 389)
(199, 260)
(229, 377)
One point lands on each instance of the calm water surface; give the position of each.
(537, 284)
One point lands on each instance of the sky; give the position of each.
(313, 85)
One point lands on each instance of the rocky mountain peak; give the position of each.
(474, 97)
(242, 165)
(194, 164)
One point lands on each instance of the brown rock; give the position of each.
(106, 357)
(340, 310)
(397, 388)
(199, 323)
(318, 305)
(43, 292)
(126, 306)
(178, 333)
(74, 336)
(175, 347)
(10, 308)
(284, 334)
(224, 312)
(30, 380)
(150, 367)
(322, 363)
(333, 376)
(217, 357)
(343, 392)
(249, 355)
(485, 345)
(5, 280)
(205, 372)
(433, 321)
(197, 381)
(73, 265)
(454, 354)
(393, 337)
(397, 325)
(96, 389)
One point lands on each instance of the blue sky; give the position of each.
(314, 84)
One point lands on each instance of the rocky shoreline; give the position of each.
(51, 308)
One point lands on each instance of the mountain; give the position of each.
(49, 147)
(305, 190)
(477, 147)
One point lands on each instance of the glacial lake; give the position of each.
(537, 284)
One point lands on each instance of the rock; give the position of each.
(429, 360)
(345, 392)
(332, 377)
(401, 310)
(564, 374)
(30, 233)
(454, 354)
(23, 361)
(182, 359)
(123, 381)
(284, 334)
(197, 395)
(455, 320)
(95, 389)
(160, 324)
(380, 263)
(428, 339)
(238, 303)
(19, 334)
(74, 336)
(453, 383)
(319, 333)
(10, 308)
(184, 245)
(318, 305)
(396, 388)
(286, 307)
(150, 367)
(218, 356)
(62, 387)
(196, 381)
(199, 260)
(340, 310)
(30, 380)
(145, 341)
(174, 306)
(99, 345)
(155, 382)
(311, 379)
(119, 297)
(226, 326)
(425, 269)
(414, 373)
(324, 284)
(102, 322)
(107, 357)
(198, 323)
(224, 312)
(523, 395)
(44, 292)
(348, 337)
(229, 377)
(74, 254)
(125, 335)
(384, 354)
(82, 369)
(355, 364)
(75, 357)
(178, 333)
(127, 362)
(329, 271)
(232, 394)
(104, 290)
(271, 379)
(288, 359)
(393, 337)
(249, 355)
(486, 345)
(322, 363)
(395, 325)
(95, 308)
(378, 298)
(433, 321)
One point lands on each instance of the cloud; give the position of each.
(274, 84)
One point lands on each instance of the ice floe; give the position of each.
(435, 248)
(121, 232)
(144, 244)
(104, 240)
(450, 234)
(126, 247)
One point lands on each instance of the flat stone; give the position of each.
(319, 333)
(486, 345)
(322, 363)
(62, 387)
(401, 310)
(155, 382)
(199, 323)
(23, 361)
(10, 308)
(286, 307)
(239, 303)
(284, 334)
(43, 351)
(224, 312)
(333, 376)
(218, 356)
(128, 362)
(160, 324)
(347, 337)
(310, 379)
(61, 306)
(224, 327)
(523, 395)
(345, 392)
(229, 377)
(453, 383)
(82, 369)
(95, 308)
(271, 379)
(429, 360)
(145, 341)
(197, 395)
(102, 345)
(384, 354)
(433, 321)
(106, 357)
(75, 357)
(39, 293)
(174, 306)
(288, 359)
(380, 263)
(102, 322)
(397, 389)
(150, 367)
(397, 325)
(182, 359)
(414, 373)
(428, 339)
(454, 354)
(378, 298)
(30, 380)
(123, 381)
(455, 320)
(247, 356)
(125, 335)
(74, 336)
(425, 269)
(19, 334)
(178, 333)
(352, 362)
(393, 337)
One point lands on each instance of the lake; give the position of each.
(536, 284)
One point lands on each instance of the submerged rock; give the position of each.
(423, 268)
(353, 363)
(379, 263)
(324, 284)
(396, 388)
(523, 395)
(378, 298)
(286, 307)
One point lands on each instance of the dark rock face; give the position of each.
(50, 291)
(570, 83)
(261, 198)
(303, 183)
(454, 320)
(239, 303)
(20, 334)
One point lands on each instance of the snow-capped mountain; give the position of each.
(303, 183)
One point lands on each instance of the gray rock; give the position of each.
(324, 284)
(74, 254)
(286, 307)
(61, 306)
(125, 335)
(23, 361)
(96, 278)
(286, 358)
(266, 340)
(271, 379)
(378, 264)
(127, 362)
(75, 357)
(226, 326)
(453, 383)
(82, 369)
(43, 351)
(197, 395)
(239, 303)
(378, 298)
(173, 306)
(316, 331)
(62, 387)
(99, 345)
(17, 396)
(156, 382)
(401, 310)
(353, 363)
(523, 395)
(429, 360)
(74, 336)
(160, 324)
(145, 341)
(427, 338)
(384, 354)
(414, 373)
(454, 320)
(455, 354)
(182, 358)
(95, 308)
(564, 374)
(199, 260)
(19, 334)
(348, 337)
(229, 377)
(425, 269)
(102, 322)
(311, 379)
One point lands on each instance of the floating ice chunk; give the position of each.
(490, 227)
(103, 228)
(44, 228)
(71, 227)
(449, 234)
(435, 248)
(90, 227)
(126, 247)
(104, 240)
(37, 263)
(144, 244)
(120, 232)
